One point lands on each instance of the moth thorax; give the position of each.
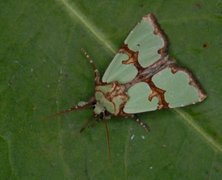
(111, 96)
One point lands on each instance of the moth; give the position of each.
(142, 77)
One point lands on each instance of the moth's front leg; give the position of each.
(140, 122)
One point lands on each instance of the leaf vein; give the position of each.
(74, 13)
(206, 137)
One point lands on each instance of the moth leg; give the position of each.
(104, 117)
(107, 138)
(96, 72)
(141, 123)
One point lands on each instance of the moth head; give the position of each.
(98, 109)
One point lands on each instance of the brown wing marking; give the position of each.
(159, 93)
(133, 56)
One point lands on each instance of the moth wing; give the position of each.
(177, 86)
(145, 43)
(138, 99)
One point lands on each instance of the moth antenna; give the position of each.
(107, 139)
(96, 71)
(141, 123)
(82, 105)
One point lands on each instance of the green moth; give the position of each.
(142, 77)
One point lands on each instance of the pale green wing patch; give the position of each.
(104, 88)
(109, 97)
(179, 91)
(103, 102)
(147, 39)
(138, 99)
(117, 71)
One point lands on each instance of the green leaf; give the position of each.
(43, 71)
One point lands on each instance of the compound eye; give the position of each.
(101, 115)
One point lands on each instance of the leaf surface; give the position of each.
(43, 71)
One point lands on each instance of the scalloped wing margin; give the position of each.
(144, 45)
(178, 86)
